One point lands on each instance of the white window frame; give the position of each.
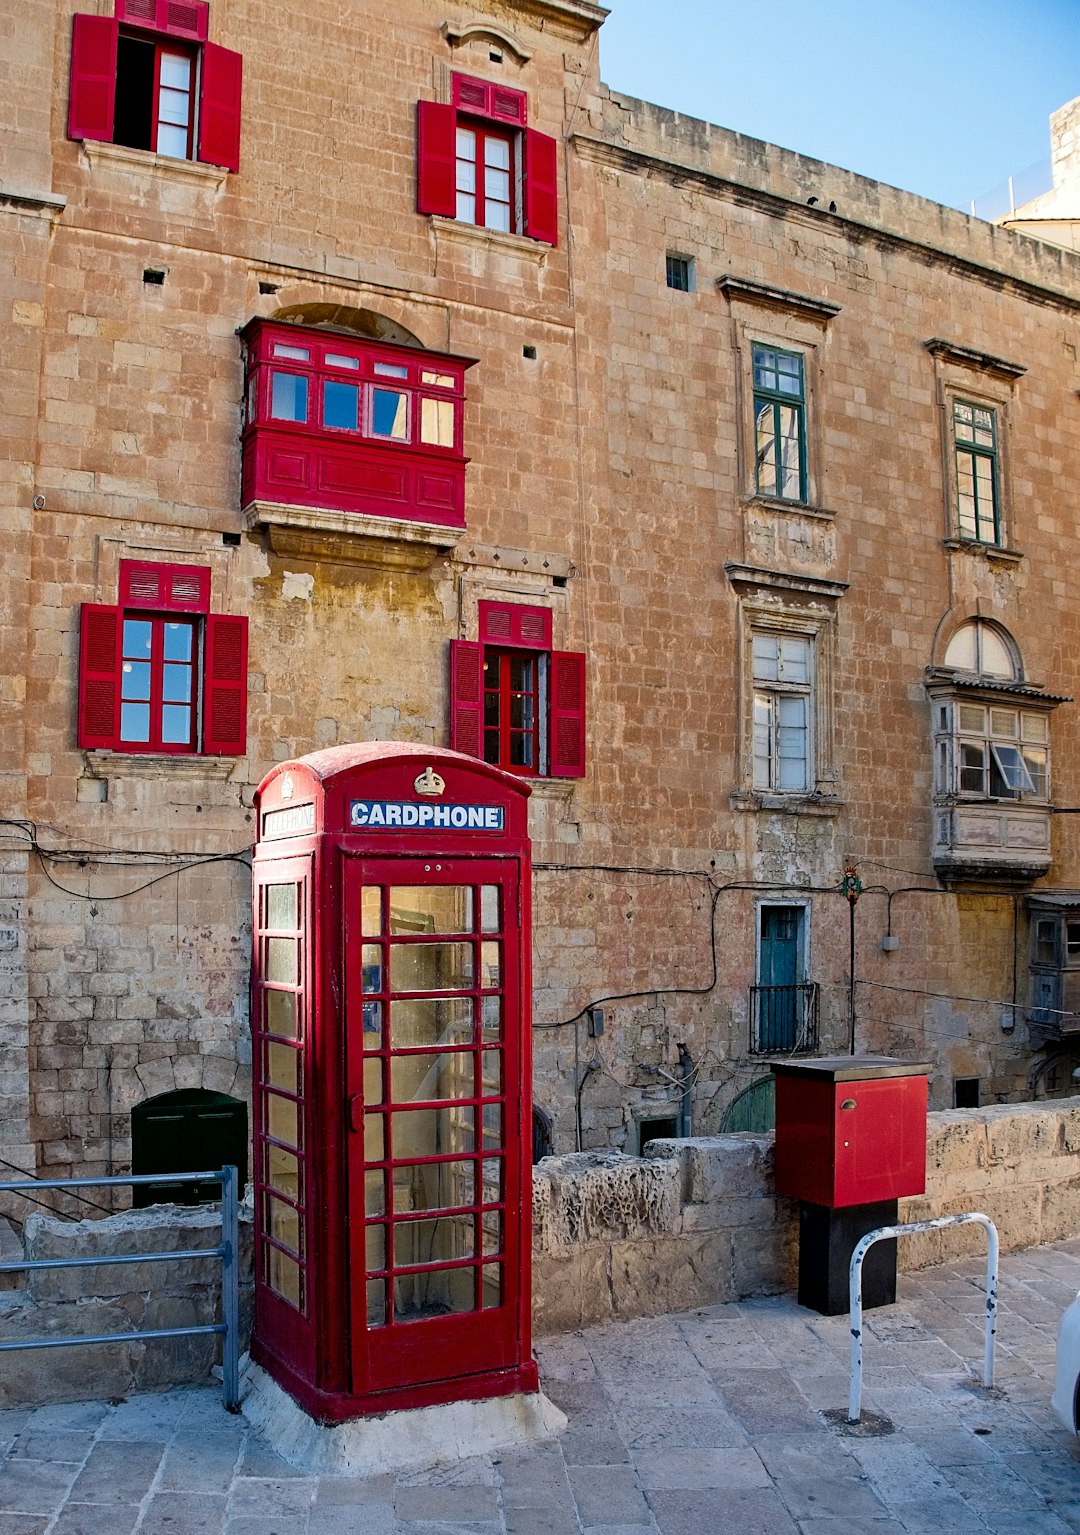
(793, 663)
(1001, 748)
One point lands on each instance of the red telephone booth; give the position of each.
(391, 1015)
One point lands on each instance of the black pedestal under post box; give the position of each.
(827, 1239)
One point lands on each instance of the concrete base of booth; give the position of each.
(394, 1441)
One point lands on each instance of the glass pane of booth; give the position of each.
(281, 1013)
(281, 907)
(434, 1292)
(414, 1078)
(431, 967)
(420, 1021)
(430, 909)
(433, 1185)
(281, 961)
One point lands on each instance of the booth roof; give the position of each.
(335, 760)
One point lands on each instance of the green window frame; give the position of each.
(779, 423)
(978, 492)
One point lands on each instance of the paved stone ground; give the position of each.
(702, 1423)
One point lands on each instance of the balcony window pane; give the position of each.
(288, 397)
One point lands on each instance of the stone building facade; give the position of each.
(784, 454)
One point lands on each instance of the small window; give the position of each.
(147, 78)
(981, 647)
(680, 273)
(975, 444)
(782, 710)
(515, 702)
(480, 164)
(159, 672)
(966, 1092)
(779, 423)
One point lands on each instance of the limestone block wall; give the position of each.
(694, 1222)
(1018, 1163)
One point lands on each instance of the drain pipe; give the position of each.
(686, 1085)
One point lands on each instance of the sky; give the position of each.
(946, 98)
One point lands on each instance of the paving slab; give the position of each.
(726, 1420)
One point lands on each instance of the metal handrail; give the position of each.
(939, 1223)
(228, 1252)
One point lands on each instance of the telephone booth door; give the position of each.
(432, 977)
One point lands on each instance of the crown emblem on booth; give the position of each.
(429, 783)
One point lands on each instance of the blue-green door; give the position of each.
(780, 975)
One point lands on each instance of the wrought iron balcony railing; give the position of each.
(784, 1019)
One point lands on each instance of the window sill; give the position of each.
(475, 234)
(790, 508)
(984, 551)
(115, 764)
(196, 172)
(787, 804)
(352, 538)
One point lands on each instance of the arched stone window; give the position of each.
(984, 648)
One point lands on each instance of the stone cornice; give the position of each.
(776, 298)
(49, 205)
(640, 162)
(578, 18)
(948, 351)
(756, 577)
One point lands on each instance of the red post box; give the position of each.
(390, 1017)
(850, 1129)
(850, 1142)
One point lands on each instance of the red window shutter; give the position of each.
(219, 107)
(515, 623)
(99, 677)
(177, 18)
(225, 687)
(567, 688)
(486, 98)
(173, 588)
(508, 106)
(187, 18)
(470, 95)
(93, 78)
(541, 187)
(436, 126)
(466, 697)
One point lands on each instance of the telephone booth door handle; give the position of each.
(356, 1112)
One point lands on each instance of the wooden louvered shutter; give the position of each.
(541, 187)
(567, 692)
(169, 588)
(176, 18)
(466, 697)
(486, 98)
(99, 677)
(436, 159)
(219, 107)
(92, 92)
(516, 624)
(225, 687)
